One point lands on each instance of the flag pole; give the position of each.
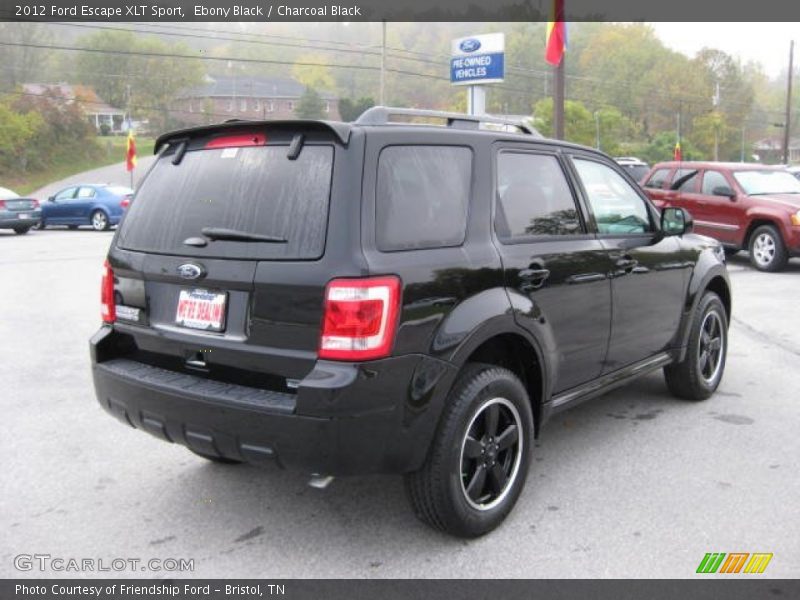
(558, 99)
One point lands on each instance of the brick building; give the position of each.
(227, 97)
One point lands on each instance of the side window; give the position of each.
(533, 197)
(86, 192)
(657, 179)
(687, 178)
(617, 208)
(66, 194)
(422, 197)
(713, 179)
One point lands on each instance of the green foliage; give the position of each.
(662, 147)
(310, 106)
(16, 132)
(579, 124)
(350, 109)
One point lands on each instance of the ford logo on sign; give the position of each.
(470, 45)
(190, 271)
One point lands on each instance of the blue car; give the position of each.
(100, 206)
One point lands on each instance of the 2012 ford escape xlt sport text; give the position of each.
(385, 297)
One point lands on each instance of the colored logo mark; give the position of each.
(735, 562)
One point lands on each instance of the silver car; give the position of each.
(19, 214)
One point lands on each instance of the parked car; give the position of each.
(98, 205)
(744, 206)
(635, 166)
(19, 214)
(378, 297)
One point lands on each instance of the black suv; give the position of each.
(396, 297)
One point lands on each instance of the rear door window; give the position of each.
(255, 190)
(422, 197)
(657, 179)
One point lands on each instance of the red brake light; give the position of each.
(237, 141)
(360, 318)
(125, 202)
(108, 310)
(2, 203)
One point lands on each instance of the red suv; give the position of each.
(750, 206)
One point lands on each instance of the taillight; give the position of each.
(125, 202)
(2, 203)
(237, 141)
(360, 318)
(108, 311)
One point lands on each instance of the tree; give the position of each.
(310, 106)
(17, 131)
(662, 147)
(350, 109)
(579, 125)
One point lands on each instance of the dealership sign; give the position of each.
(478, 59)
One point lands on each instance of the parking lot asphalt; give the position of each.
(632, 484)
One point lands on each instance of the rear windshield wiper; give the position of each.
(233, 235)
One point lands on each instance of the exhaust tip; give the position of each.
(320, 482)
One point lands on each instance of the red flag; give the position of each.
(556, 41)
(130, 152)
(677, 154)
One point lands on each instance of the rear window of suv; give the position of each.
(255, 190)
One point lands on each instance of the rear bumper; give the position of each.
(10, 220)
(377, 417)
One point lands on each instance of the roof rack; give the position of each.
(381, 115)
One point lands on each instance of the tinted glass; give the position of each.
(657, 179)
(65, 194)
(637, 171)
(253, 190)
(533, 197)
(689, 179)
(422, 197)
(617, 208)
(713, 179)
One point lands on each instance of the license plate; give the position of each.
(23, 216)
(201, 309)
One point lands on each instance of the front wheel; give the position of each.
(100, 221)
(42, 225)
(767, 250)
(479, 461)
(699, 374)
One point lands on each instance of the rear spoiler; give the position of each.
(340, 130)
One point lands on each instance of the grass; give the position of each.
(112, 151)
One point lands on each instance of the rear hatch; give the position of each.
(221, 262)
(21, 205)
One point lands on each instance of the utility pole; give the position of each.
(597, 129)
(558, 99)
(715, 101)
(787, 126)
(382, 100)
(741, 154)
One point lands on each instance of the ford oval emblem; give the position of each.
(190, 271)
(470, 45)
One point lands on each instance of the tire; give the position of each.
(72, 227)
(21, 230)
(42, 225)
(696, 378)
(438, 492)
(100, 221)
(216, 459)
(730, 251)
(767, 250)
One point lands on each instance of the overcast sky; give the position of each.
(767, 43)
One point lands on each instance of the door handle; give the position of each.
(627, 264)
(534, 278)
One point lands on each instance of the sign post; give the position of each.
(477, 60)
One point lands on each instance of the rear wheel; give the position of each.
(42, 225)
(699, 374)
(767, 250)
(479, 461)
(22, 230)
(100, 221)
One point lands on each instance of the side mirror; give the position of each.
(51, 199)
(724, 190)
(676, 221)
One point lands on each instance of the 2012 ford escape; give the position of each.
(396, 298)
